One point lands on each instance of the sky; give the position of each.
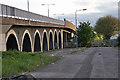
(95, 8)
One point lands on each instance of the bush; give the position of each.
(85, 34)
(105, 45)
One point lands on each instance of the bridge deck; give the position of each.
(8, 11)
(14, 16)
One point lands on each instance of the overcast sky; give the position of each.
(95, 8)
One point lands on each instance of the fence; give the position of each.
(8, 11)
(112, 42)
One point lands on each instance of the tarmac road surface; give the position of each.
(94, 62)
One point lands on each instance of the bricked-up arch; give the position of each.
(26, 42)
(45, 42)
(12, 41)
(50, 40)
(59, 40)
(37, 42)
(55, 40)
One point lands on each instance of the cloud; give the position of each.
(107, 6)
(100, 9)
(81, 3)
(95, 8)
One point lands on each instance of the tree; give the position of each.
(98, 37)
(85, 33)
(106, 26)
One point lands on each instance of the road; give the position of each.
(94, 62)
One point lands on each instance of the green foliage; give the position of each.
(85, 33)
(106, 43)
(98, 37)
(107, 26)
(15, 62)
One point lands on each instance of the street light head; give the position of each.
(48, 4)
(84, 9)
(42, 4)
(59, 14)
(53, 4)
(54, 14)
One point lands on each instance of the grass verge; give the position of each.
(81, 49)
(53, 50)
(15, 62)
(72, 52)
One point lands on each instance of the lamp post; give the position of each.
(28, 11)
(59, 15)
(76, 24)
(48, 7)
(28, 4)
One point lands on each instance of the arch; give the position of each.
(37, 41)
(12, 41)
(59, 40)
(50, 40)
(55, 39)
(64, 39)
(45, 41)
(26, 42)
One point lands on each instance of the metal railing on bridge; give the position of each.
(8, 11)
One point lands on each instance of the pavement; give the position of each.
(94, 62)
